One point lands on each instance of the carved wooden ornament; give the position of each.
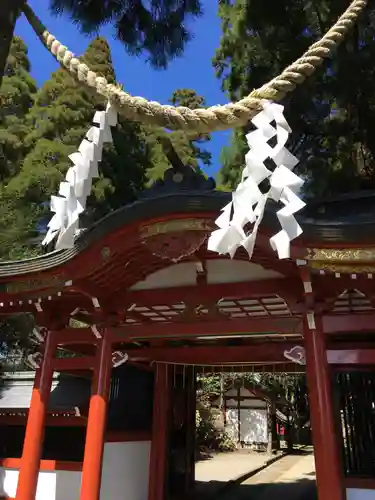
(118, 358)
(296, 355)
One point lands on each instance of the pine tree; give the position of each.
(188, 148)
(156, 28)
(190, 99)
(59, 120)
(16, 98)
(16, 95)
(9, 11)
(331, 114)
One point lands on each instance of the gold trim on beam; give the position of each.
(341, 255)
(176, 225)
(343, 268)
(37, 283)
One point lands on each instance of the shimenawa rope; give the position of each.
(202, 120)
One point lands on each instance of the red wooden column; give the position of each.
(32, 446)
(160, 428)
(96, 424)
(191, 403)
(326, 449)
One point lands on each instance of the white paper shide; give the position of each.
(248, 202)
(74, 191)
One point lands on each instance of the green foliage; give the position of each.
(190, 99)
(15, 341)
(188, 148)
(210, 384)
(232, 161)
(157, 27)
(17, 229)
(331, 114)
(58, 121)
(39, 129)
(16, 98)
(50, 125)
(289, 391)
(208, 437)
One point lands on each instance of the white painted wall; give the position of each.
(125, 471)
(218, 271)
(68, 485)
(47, 483)
(359, 494)
(253, 425)
(125, 476)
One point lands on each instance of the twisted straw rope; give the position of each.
(202, 120)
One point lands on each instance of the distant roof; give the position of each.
(67, 391)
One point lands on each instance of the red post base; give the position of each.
(156, 483)
(32, 447)
(96, 425)
(326, 450)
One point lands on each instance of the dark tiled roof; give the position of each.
(349, 219)
(67, 392)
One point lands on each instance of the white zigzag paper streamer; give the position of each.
(248, 202)
(74, 191)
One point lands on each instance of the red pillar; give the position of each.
(96, 424)
(160, 427)
(191, 403)
(326, 449)
(32, 446)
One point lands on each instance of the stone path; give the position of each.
(291, 478)
(225, 467)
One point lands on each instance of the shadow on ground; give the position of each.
(303, 489)
(200, 455)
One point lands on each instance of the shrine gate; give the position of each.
(140, 288)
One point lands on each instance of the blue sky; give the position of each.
(194, 70)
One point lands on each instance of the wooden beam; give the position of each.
(77, 363)
(264, 353)
(351, 357)
(230, 327)
(64, 304)
(256, 368)
(51, 421)
(75, 336)
(212, 292)
(348, 323)
(330, 286)
(332, 324)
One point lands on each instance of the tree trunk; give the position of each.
(269, 442)
(273, 439)
(9, 11)
(289, 438)
(222, 391)
(275, 436)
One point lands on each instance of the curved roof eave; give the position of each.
(189, 203)
(346, 220)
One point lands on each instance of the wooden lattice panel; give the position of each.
(255, 307)
(156, 313)
(351, 301)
